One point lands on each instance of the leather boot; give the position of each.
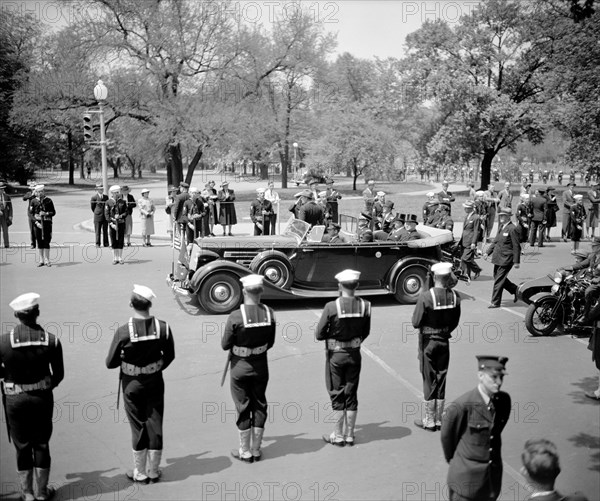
(154, 456)
(257, 435)
(337, 435)
(350, 423)
(243, 453)
(41, 490)
(428, 422)
(26, 484)
(439, 411)
(139, 467)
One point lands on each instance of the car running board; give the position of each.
(359, 292)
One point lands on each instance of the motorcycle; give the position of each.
(555, 301)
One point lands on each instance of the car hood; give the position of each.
(247, 242)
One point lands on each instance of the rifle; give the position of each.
(119, 389)
(226, 368)
(5, 412)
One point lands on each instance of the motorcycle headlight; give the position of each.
(558, 277)
(554, 289)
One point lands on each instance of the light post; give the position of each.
(295, 145)
(100, 93)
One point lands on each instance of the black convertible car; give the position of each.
(297, 265)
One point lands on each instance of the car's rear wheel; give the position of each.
(275, 270)
(220, 293)
(410, 283)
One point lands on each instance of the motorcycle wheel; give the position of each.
(539, 320)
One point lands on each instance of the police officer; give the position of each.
(31, 364)
(436, 315)
(143, 348)
(471, 428)
(249, 333)
(345, 323)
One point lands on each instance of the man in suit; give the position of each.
(368, 195)
(310, 211)
(260, 212)
(506, 253)
(177, 209)
(444, 196)
(540, 469)
(344, 324)
(492, 201)
(538, 218)
(408, 232)
(100, 223)
(429, 208)
(568, 201)
(471, 429)
(505, 197)
(6, 214)
(332, 235)
(468, 241)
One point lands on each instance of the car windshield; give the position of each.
(296, 228)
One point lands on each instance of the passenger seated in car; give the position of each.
(332, 236)
(365, 235)
(397, 227)
(408, 232)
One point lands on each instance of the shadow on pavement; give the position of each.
(62, 265)
(192, 465)
(96, 484)
(589, 442)
(372, 432)
(284, 445)
(586, 384)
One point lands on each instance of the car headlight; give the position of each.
(554, 289)
(558, 277)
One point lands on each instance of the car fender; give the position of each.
(537, 298)
(269, 254)
(213, 267)
(199, 253)
(403, 263)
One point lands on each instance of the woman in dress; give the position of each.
(551, 210)
(116, 213)
(146, 206)
(42, 210)
(578, 214)
(227, 215)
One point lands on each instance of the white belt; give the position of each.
(242, 351)
(16, 389)
(335, 345)
(134, 370)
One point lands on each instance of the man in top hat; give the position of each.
(29, 197)
(409, 232)
(568, 201)
(227, 214)
(436, 315)
(261, 211)
(344, 324)
(249, 333)
(143, 348)
(471, 434)
(177, 210)
(31, 365)
(42, 209)
(397, 227)
(468, 241)
(6, 214)
(506, 253)
(97, 204)
(131, 204)
(310, 211)
(540, 468)
(333, 197)
(385, 223)
(523, 215)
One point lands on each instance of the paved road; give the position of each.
(84, 298)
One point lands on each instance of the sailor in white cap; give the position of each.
(249, 333)
(345, 323)
(42, 209)
(578, 215)
(227, 214)
(31, 364)
(261, 211)
(6, 214)
(436, 315)
(116, 214)
(143, 348)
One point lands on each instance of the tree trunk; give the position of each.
(486, 167)
(355, 173)
(193, 164)
(71, 159)
(175, 164)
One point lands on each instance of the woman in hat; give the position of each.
(146, 206)
(42, 210)
(31, 364)
(227, 215)
(116, 214)
(551, 210)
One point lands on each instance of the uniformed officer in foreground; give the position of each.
(31, 364)
(249, 333)
(436, 315)
(345, 323)
(143, 348)
(471, 429)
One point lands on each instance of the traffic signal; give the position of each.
(88, 132)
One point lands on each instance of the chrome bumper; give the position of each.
(176, 286)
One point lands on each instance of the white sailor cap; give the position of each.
(24, 301)
(145, 190)
(260, 190)
(115, 187)
(480, 193)
(143, 291)
(348, 276)
(430, 194)
(441, 269)
(322, 193)
(250, 281)
(578, 197)
(194, 189)
(380, 193)
(39, 187)
(525, 196)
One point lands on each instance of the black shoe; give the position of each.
(236, 454)
(40, 265)
(494, 306)
(32, 246)
(516, 298)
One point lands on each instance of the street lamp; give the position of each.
(295, 145)
(100, 93)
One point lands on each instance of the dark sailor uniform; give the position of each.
(256, 215)
(116, 213)
(436, 315)
(249, 333)
(472, 445)
(143, 348)
(42, 222)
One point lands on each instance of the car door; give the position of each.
(374, 260)
(317, 264)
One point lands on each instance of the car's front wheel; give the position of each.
(220, 293)
(410, 283)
